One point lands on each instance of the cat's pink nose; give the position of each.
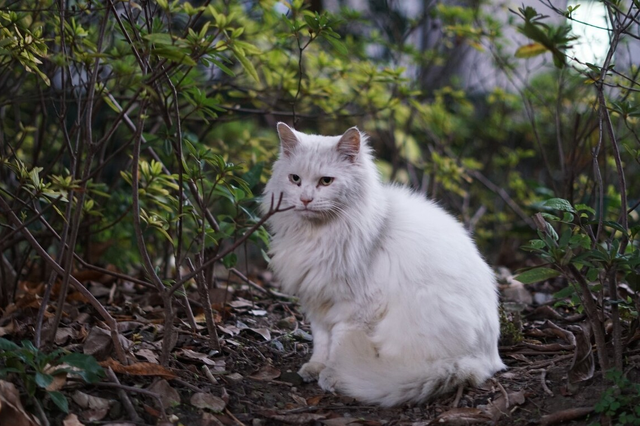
(306, 201)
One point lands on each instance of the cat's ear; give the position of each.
(288, 139)
(349, 144)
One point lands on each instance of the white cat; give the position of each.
(402, 306)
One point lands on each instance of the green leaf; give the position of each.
(615, 225)
(584, 207)
(230, 260)
(559, 204)
(161, 38)
(580, 240)
(43, 380)
(530, 50)
(568, 291)
(7, 345)
(337, 44)
(536, 275)
(60, 400)
(246, 64)
(173, 54)
(252, 177)
(225, 69)
(88, 367)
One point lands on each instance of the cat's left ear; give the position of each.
(349, 144)
(288, 139)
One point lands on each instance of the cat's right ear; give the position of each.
(349, 144)
(288, 139)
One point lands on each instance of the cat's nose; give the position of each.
(306, 200)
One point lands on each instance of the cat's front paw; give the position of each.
(311, 371)
(328, 380)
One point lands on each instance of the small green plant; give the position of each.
(35, 370)
(595, 255)
(621, 402)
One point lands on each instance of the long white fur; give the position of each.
(401, 304)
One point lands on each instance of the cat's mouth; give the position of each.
(309, 213)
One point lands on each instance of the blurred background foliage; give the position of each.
(200, 85)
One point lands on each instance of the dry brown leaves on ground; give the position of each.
(551, 377)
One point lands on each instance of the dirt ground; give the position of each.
(252, 380)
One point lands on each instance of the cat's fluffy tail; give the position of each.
(361, 373)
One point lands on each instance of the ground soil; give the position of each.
(265, 340)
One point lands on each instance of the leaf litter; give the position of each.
(264, 340)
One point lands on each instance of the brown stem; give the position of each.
(203, 291)
(111, 322)
(124, 397)
(616, 333)
(273, 209)
(592, 312)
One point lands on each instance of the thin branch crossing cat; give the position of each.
(402, 306)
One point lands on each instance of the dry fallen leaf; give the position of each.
(209, 419)
(99, 343)
(264, 332)
(495, 409)
(296, 419)
(314, 400)
(208, 401)
(266, 372)
(151, 411)
(11, 410)
(241, 303)
(583, 364)
(72, 420)
(340, 421)
(298, 399)
(8, 329)
(231, 330)
(462, 417)
(188, 353)
(149, 355)
(95, 408)
(168, 395)
(139, 369)
(59, 380)
(119, 424)
(89, 401)
(64, 334)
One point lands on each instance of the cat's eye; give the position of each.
(326, 180)
(294, 179)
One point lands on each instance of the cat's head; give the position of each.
(320, 176)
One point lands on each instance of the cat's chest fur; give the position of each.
(322, 265)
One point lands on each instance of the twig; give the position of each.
(128, 405)
(203, 291)
(459, 393)
(111, 322)
(188, 385)
(586, 297)
(136, 390)
(210, 376)
(41, 414)
(503, 194)
(235, 419)
(67, 257)
(504, 393)
(543, 379)
(565, 416)
(272, 210)
(253, 285)
(546, 362)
